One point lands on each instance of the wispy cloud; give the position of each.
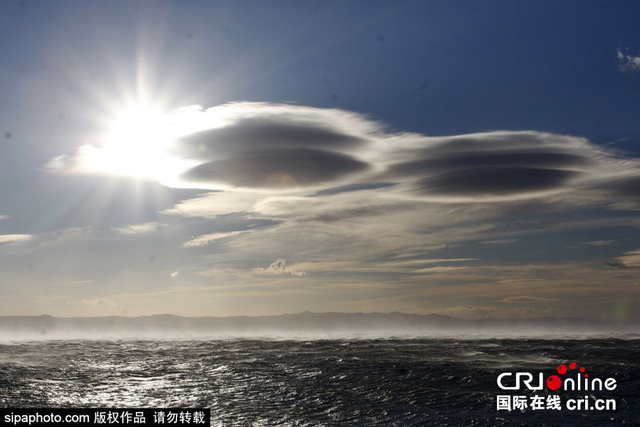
(206, 239)
(526, 298)
(147, 227)
(499, 242)
(626, 61)
(440, 269)
(60, 237)
(279, 267)
(599, 243)
(617, 264)
(98, 302)
(631, 258)
(14, 238)
(80, 282)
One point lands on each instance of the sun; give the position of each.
(137, 141)
(136, 144)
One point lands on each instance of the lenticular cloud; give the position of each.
(271, 150)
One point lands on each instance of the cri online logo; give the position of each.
(554, 382)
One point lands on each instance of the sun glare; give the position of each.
(135, 145)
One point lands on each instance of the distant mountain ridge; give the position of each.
(300, 324)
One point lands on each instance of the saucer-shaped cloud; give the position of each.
(257, 145)
(276, 168)
(495, 180)
(272, 146)
(273, 132)
(495, 164)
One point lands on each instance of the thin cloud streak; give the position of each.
(15, 238)
(209, 238)
(145, 228)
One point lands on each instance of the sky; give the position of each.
(473, 159)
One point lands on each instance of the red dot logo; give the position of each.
(562, 369)
(572, 365)
(582, 369)
(554, 382)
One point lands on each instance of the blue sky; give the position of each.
(477, 159)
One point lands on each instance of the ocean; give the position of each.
(330, 382)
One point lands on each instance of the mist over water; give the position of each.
(306, 326)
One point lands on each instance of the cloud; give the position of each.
(274, 146)
(251, 152)
(495, 181)
(275, 169)
(617, 264)
(438, 269)
(525, 298)
(352, 186)
(98, 302)
(278, 268)
(262, 126)
(599, 243)
(14, 238)
(493, 166)
(627, 62)
(213, 204)
(206, 239)
(439, 260)
(623, 187)
(499, 242)
(630, 259)
(80, 282)
(58, 238)
(363, 208)
(434, 270)
(147, 227)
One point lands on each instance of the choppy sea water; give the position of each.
(373, 382)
